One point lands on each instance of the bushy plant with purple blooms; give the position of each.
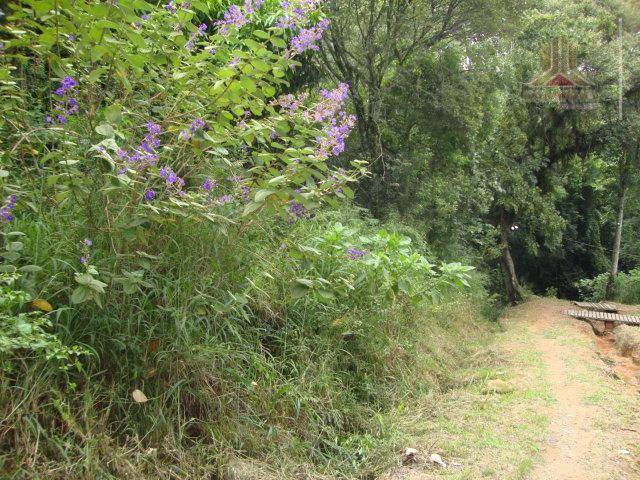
(157, 198)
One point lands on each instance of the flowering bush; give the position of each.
(381, 267)
(161, 113)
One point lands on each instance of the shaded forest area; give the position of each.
(459, 149)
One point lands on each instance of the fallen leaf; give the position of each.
(42, 304)
(154, 344)
(138, 396)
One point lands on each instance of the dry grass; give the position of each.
(627, 339)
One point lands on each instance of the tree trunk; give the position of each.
(611, 284)
(512, 286)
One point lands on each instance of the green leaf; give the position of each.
(79, 295)
(248, 84)
(251, 207)
(261, 34)
(106, 130)
(226, 72)
(30, 268)
(98, 52)
(277, 180)
(113, 114)
(261, 195)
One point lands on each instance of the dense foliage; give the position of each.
(224, 225)
(182, 270)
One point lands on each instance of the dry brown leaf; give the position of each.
(42, 304)
(154, 344)
(138, 396)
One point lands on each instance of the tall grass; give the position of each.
(232, 362)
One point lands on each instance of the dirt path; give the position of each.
(557, 404)
(585, 440)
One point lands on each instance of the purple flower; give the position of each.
(237, 16)
(212, 51)
(208, 184)
(165, 171)
(87, 242)
(71, 38)
(149, 195)
(307, 38)
(224, 199)
(332, 142)
(6, 211)
(66, 105)
(154, 128)
(296, 16)
(145, 16)
(355, 254)
(297, 209)
(172, 178)
(84, 260)
(196, 125)
(170, 7)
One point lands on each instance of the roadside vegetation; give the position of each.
(255, 236)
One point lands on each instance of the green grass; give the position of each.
(233, 366)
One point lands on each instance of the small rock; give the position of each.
(409, 456)
(498, 386)
(624, 451)
(437, 459)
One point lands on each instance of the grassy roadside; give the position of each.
(491, 424)
(536, 401)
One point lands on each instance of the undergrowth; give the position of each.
(627, 288)
(300, 382)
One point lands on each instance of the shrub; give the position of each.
(167, 192)
(24, 334)
(627, 287)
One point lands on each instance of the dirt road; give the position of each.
(557, 404)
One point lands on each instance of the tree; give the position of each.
(369, 41)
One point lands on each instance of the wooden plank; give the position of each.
(603, 316)
(600, 306)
